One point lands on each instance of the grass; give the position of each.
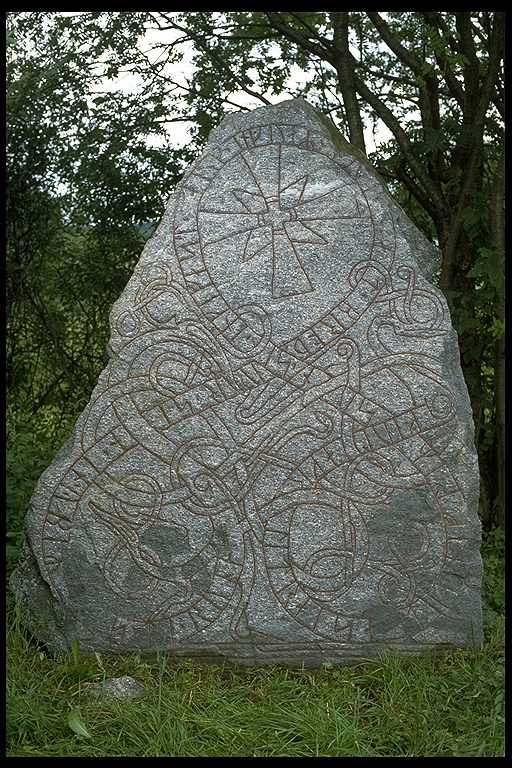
(449, 706)
(452, 705)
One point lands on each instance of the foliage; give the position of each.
(493, 554)
(82, 185)
(30, 450)
(88, 162)
(58, 318)
(89, 168)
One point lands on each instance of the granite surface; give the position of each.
(277, 464)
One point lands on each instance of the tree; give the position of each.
(434, 80)
(75, 207)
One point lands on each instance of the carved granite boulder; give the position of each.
(277, 464)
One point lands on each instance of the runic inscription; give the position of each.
(277, 464)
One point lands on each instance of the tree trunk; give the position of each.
(459, 294)
(345, 71)
(498, 221)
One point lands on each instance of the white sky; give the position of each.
(181, 72)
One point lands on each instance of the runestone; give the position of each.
(277, 464)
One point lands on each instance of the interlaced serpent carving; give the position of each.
(264, 415)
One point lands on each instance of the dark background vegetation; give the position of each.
(89, 171)
(86, 179)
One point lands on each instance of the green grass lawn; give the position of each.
(452, 705)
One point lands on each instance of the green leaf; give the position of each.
(465, 322)
(77, 725)
(472, 218)
(75, 651)
(497, 329)
(433, 140)
(489, 266)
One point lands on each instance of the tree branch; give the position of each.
(416, 191)
(400, 51)
(174, 120)
(467, 44)
(311, 30)
(430, 186)
(389, 78)
(220, 64)
(439, 23)
(471, 68)
(294, 36)
(451, 81)
(427, 81)
(345, 71)
(472, 157)
(498, 241)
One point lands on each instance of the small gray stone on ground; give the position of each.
(118, 688)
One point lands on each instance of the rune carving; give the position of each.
(270, 460)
